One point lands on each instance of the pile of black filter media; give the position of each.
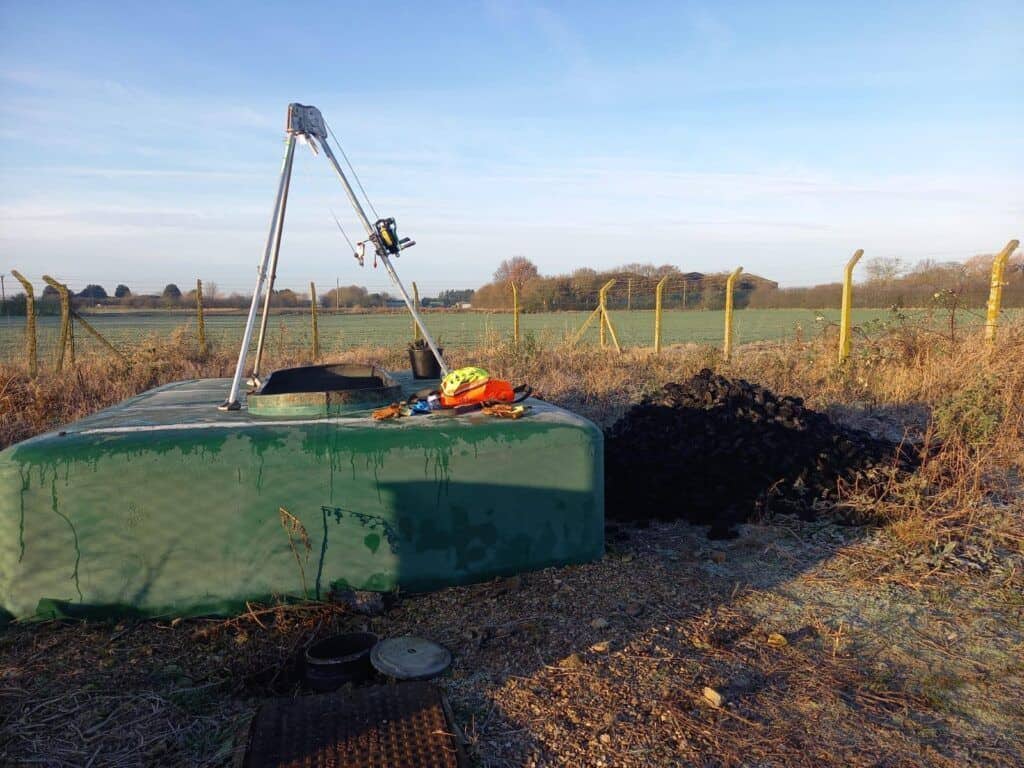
(724, 451)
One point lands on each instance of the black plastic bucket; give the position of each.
(339, 659)
(424, 364)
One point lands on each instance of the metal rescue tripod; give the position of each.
(308, 124)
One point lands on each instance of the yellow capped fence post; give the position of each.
(415, 303)
(611, 331)
(30, 323)
(602, 297)
(658, 290)
(995, 293)
(316, 330)
(515, 313)
(67, 333)
(200, 321)
(606, 321)
(600, 314)
(844, 316)
(729, 283)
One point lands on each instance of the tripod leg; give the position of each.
(232, 403)
(273, 276)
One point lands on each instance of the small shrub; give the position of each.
(973, 414)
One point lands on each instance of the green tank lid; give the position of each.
(324, 390)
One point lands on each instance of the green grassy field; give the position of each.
(454, 329)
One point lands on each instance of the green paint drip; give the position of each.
(74, 533)
(323, 551)
(26, 478)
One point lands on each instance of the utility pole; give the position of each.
(3, 298)
(629, 294)
(337, 294)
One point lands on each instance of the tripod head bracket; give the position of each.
(305, 121)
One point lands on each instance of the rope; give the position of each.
(353, 170)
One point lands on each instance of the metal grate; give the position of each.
(383, 726)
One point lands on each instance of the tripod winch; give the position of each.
(306, 123)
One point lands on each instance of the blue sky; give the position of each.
(141, 143)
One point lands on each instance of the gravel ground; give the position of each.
(794, 644)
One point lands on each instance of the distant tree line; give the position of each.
(454, 297)
(882, 282)
(634, 288)
(886, 282)
(171, 297)
(889, 283)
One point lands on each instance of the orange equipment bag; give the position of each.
(492, 390)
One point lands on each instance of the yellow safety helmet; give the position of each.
(462, 379)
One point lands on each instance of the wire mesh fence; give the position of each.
(292, 331)
(632, 311)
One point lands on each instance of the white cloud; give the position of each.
(798, 228)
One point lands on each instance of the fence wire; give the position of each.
(292, 331)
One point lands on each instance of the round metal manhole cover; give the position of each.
(410, 658)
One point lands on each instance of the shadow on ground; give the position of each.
(824, 645)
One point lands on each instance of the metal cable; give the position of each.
(354, 174)
(342, 229)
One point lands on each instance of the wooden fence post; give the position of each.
(515, 313)
(316, 332)
(200, 322)
(30, 323)
(659, 289)
(844, 316)
(995, 293)
(729, 283)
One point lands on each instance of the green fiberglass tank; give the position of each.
(164, 505)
